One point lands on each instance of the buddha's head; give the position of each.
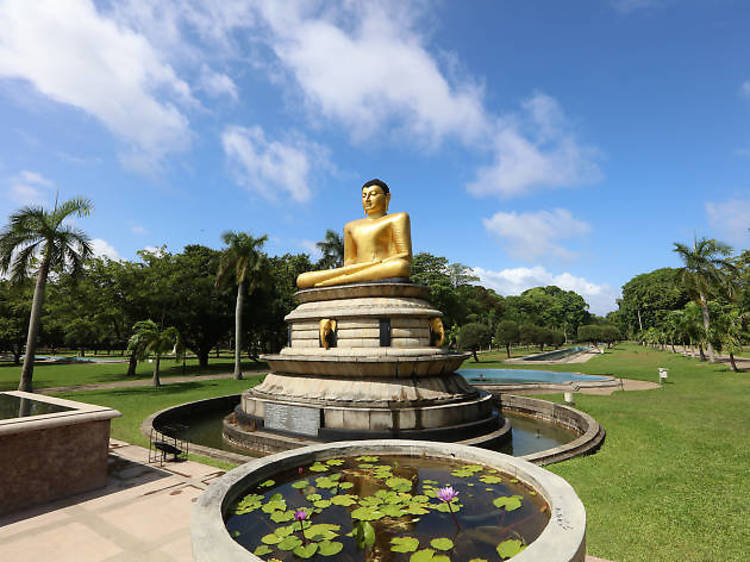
(375, 197)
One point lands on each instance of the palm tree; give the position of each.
(35, 236)
(332, 248)
(705, 273)
(149, 339)
(243, 257)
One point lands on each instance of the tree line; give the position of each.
(703, 306)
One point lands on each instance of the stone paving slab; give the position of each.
(142, 515)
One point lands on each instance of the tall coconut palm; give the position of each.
(37, 237)
(705, 274)
(332, 248)
(149, 339)
(243, 257)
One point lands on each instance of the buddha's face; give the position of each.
(375, 200)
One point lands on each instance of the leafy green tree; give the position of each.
(705, 275)
(148, 339)
(38, 237)
(180, 290)
(590, 333)
(248, 264)
(648, 298)
(332, 248)
(15, 306)
(506, 334)
(731, 332)
(473, 336)
(81, 333)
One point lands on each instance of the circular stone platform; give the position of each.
(379, 375)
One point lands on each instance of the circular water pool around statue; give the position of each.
(529, 376)
(542, 432)
(384, 498)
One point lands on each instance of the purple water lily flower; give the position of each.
(447, 494)
(300, 515)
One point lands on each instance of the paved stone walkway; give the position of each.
(143, 514)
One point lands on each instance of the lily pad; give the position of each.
(416, 509)
(344, 499)
(440, 558)
(306, 550)
(346, 485)
(284, 531)
(478, 560)
(322, 504)
(323, 531)
(391, 510)
(330, 548)
(441, 543)
(335, 462)
(404, 544)
(490, 479)
(366, 458)
(443, 507)
(424, 555)
(399, 484)
(433, 482)
(274, 505)
(462, 473)
(365, 465)
(325, 482)
(289, 543)
(271, 538)
(299, 484)
(509, 503)
(318, 467)
(267, 484)
(262, 550)
(369, 513)
(282, 516)
(509, 548)
(314, 497)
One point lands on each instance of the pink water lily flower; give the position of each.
(300, 515)
(447, 494)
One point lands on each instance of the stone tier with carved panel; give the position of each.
(378, 372)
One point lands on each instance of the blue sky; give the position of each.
(536, 142)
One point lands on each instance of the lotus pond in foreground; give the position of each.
(388, 508)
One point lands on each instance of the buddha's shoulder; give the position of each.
(398, 217)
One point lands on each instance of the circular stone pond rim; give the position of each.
(563, 539)
(590, 433)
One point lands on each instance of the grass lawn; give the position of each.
(669, 483)
(50, 375)
(137, 403)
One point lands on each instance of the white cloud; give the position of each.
(217, 84)
(311, 248)
(530, 235)
(535, 149)
(102, 248)
(364, 65)
(30, 188)
(731, 218)
(270, 168)
(76, 56)
(600, 297)
(745, 88)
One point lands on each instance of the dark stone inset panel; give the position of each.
(385, 332)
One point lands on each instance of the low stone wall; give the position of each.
(590, 433)
(49, 457)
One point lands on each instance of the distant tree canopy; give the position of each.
(648, 298)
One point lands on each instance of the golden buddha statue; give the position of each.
(375, 247)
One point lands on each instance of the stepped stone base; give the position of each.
(381, 378)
